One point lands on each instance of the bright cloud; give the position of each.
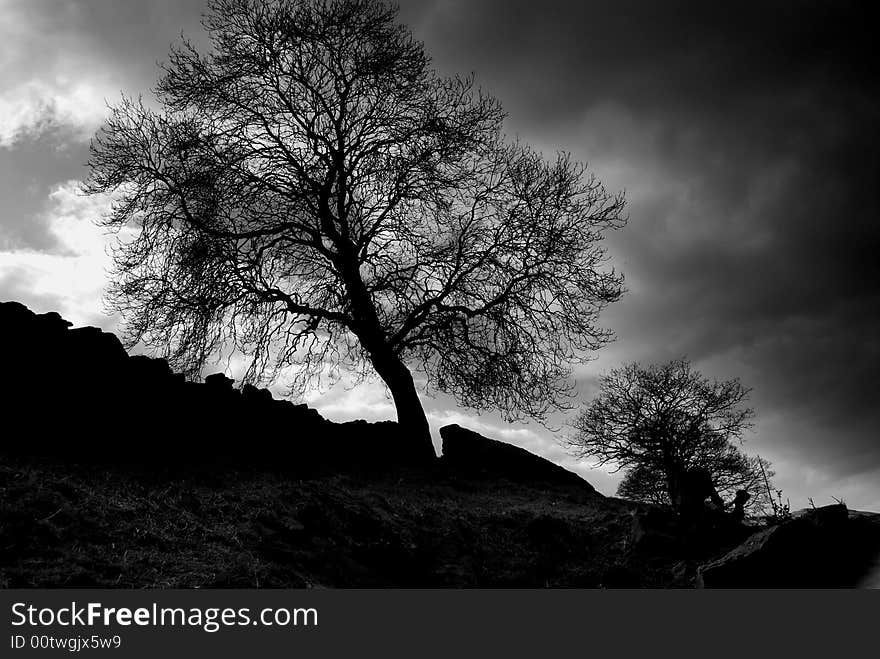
(48, 89)
(35, 107)
(74, 278)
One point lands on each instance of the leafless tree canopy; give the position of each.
(658, 422)
(310, 192)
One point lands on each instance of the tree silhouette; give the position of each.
(311, 193)
(730, 469)
(659, 422)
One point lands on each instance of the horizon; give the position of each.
(742, 137)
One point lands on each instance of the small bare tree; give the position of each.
(311, 193)
(659, 422)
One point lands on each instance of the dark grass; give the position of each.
(80, 525)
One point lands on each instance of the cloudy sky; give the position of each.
(745, 135)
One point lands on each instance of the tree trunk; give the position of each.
(410, 413)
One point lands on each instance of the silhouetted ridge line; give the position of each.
(77, 393)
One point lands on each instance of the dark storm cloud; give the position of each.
(127, 36)
(746, 136)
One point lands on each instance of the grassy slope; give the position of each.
(83, 526)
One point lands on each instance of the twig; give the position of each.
(767, 484)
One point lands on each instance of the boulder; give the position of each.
(256, 396)
(53, 322)
(148, 370)
(219, 382)
(94, 345)
(866, 527)
(14, 314)
(813, 550)
(832, 518)
(470, 454)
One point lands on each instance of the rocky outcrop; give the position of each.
(77, 394)
(468, 453)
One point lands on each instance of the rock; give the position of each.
(815, 549)
(219, 382)
(14, 314)
(258, 396)
(52, 321)
(468, 453)
(148, 369)
(866, 531)
(93, 343)
(831, 518)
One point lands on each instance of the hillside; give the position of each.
(116, 472)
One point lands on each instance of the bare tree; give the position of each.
(659, 422)
(730, 469)
(311, 193)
